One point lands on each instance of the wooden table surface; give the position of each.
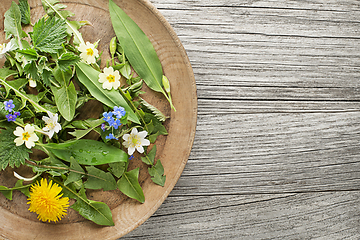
(276, 153)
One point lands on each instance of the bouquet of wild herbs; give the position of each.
(48, 75)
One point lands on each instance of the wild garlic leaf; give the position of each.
(117, 169)
(12, 24)
(47, 36)
(66, 60)
(98, 179)
(157, 173)
(25, 11)
(65, 99)
(129, 185)
(10, 154)
(76, 172)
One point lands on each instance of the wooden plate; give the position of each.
(16, 222)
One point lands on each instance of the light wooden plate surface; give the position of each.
(173, 150)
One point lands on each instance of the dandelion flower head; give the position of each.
(45, 200)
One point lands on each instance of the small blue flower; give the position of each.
(17, 114)
(119, 112)
(11, 118)
(131, 157)
(116, 124)
(108, 117)
(111, 136)
(9, 105)
(103, 127)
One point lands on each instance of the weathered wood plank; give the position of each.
(292, 216)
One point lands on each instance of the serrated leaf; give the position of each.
(98, 179)
(158, 114)
(150, 157)
(28, 54)
(48, 36)
(158, 127)
(32, 70)
(12, 24)
(53, 7)
(157, 173)
(97, 212)
(25, 11)
(129, 185)
(10, 154)
(66, 60)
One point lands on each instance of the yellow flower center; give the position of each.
(90, 51)
(110, 78)
(25, 136)
(2, 46)
(135, 141)
(50, 125)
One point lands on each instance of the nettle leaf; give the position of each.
(150, 157)
(32, 70)
(157, 173)
(12, 24)
(48, 36)
(98, 179)
(10, 154)
(129, 185)
(66, 60)
(98, 212)
(25, 11)
(27, 54)
(53, 7)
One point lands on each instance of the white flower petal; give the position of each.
(145, 142)
(131, 150)
(126, 136)
(19, 141)
(30, 129)
(142, 134)
(18, 131)
(29, 144)
(107, 85)
(140, 149)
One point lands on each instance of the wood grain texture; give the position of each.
(276, 153)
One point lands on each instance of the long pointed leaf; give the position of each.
(89, 77)
(138, 49)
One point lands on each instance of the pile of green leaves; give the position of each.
(49, 55)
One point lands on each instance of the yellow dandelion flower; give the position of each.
(46, 201)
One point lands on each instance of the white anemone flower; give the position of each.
(26, 135)
(110, 78)
(135, 140)
(4, 48)
(88, 52)
(51, 124)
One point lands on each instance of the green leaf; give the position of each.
(28, 54)
(6, 72)
(157, 173)
(10, 154)
(66, 60)
(25, 11)
(89, 78)
(129, 185)
(32, 69)
(87, 152)
(24, 189)
(117, 169)
(150, 157)
(76, 171)
(12, 24)
(98, 179)
(97, 212)
(158, 114)
(87, 126)
(65, 99)
(53, 7)
(158, 127)
(6, 192)
(138, 49)
(48, 36)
